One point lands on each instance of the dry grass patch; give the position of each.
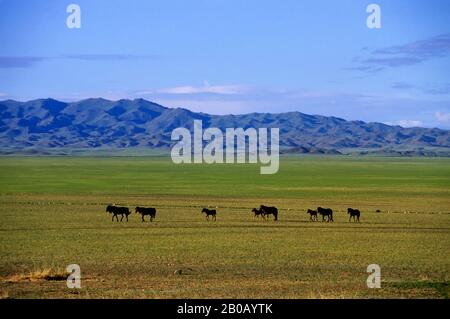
(4, 294)
(47, 273)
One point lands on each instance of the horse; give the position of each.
(354, 213)
(146, 211)
(312, 215)
(115, 211)
(257, 212)
(326, 212)
(267, 210)
(209, 212)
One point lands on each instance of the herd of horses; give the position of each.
(328, 213)
(115, 211)
(263, 211)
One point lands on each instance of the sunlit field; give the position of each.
(53, 214)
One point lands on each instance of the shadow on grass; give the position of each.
(442, 288)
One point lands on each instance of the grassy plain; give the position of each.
(52, 214)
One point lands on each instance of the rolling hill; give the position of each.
(98, 123)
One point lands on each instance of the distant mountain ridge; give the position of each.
(95, 123)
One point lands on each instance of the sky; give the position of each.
(230, 56)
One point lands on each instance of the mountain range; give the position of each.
(45, 124)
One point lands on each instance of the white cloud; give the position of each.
(443, 118)
(406, 123)
(206, 88)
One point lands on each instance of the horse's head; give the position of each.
(254, 210)
(109, 208)
(205, 210)
(136, 210)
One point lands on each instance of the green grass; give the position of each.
(53, 214)
(442, 288)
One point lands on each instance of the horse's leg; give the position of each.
(143, 220)
(112, 219)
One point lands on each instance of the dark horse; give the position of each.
(326, 212)
(354, 213)
(267, 210)
(257, 212)
(150, 211)
(312, 215)
(209, 212)
(115, 211)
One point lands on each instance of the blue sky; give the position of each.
(229, 56)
